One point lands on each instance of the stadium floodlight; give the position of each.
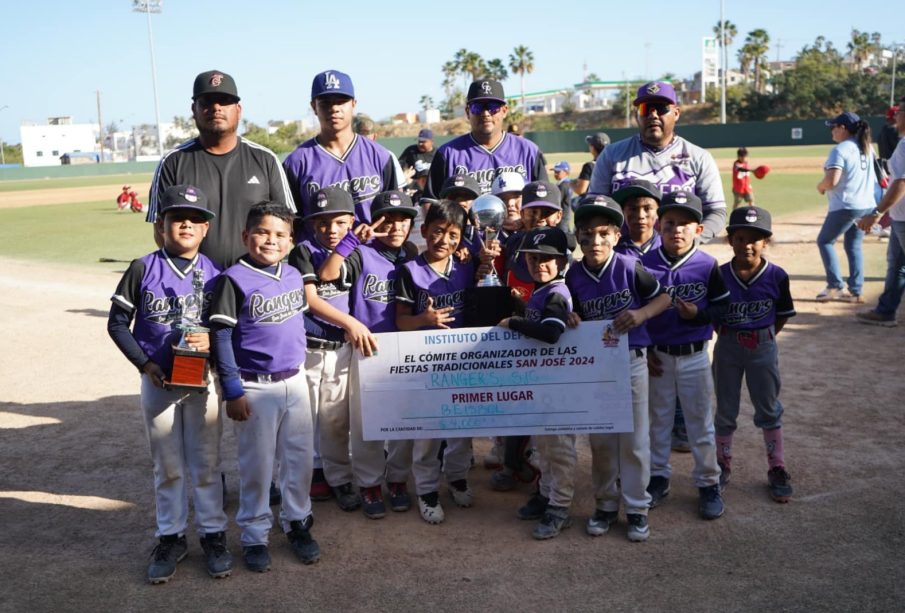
(147, 7)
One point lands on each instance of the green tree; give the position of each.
(496, 70)
(521, 62)
(426, 102)
(757, 44)
(862, 46)
(450, 70)
(474, 65)
(729, 33)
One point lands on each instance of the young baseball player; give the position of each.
(546, 255)
(741, 180)
(463, 189)
(183, 428)
(639, 200)
(259, 345)
(367, 259)
(611, 285)
(759, 306)
(678, 361)
(430, 293)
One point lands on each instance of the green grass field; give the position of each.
(126, 179)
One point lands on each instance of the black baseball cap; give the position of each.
(637, 188)
(184, 197)
(541, 193)
(215, 82)
(599, 141)
(330, 201)
(545, 240)
(460, 185)
(682, 200)
(752, 217)
(591, 205)
(422, 168)
(392, 201)
(486, 89)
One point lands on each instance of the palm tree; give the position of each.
(758, 44)
(862, 46)
(426, 102)
(744, 62)
(449, 77)
(459, 60)
(729, 32)
(496, 70)
(521, 61)
(473, 64)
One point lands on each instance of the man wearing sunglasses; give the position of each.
(657, 154)
(487, 150)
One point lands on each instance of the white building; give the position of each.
(44, 145)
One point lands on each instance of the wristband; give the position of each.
(347, 245)
(232, 388)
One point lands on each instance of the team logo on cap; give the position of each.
(216, 80)
(191, 195)
(541, 191)
(653, 88)
(459, 181)
(486, 88)
(321, 200)
(680, 198)
(600, 200)
(331, 81)
(394, 200)
(538, 239)
(751, 216)
(501, 182)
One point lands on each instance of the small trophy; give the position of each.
(488, 302)
(190, 366)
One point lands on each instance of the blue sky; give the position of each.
(56, 54)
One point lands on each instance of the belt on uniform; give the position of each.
(267, 377)
(680, 350)
(760, 334)
(316, 343)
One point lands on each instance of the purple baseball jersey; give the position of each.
(365, 170)
(694, 277)
(372, 273)
(759, 301)
(465, 156)
(621, 284)
(156, 299)
(550, 303)
(627, 247)
(417, 281)
(308, 257)
(265, 311)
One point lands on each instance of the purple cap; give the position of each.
(426, 134)
(656, 90)
(332, 82)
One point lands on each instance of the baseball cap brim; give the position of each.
(539, 203)
(452, 192)
(588, 211)
(634, 191)
(207, 213)
(745, 226)
(698, 215)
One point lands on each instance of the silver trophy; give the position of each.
(190, 365)
(192, 310)
(489, 213)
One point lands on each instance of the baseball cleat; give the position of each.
(779, 482)
(431, 511)
(257, 558)
(658, 488)
(599, 524)
(170, 551)
(461, 493)
(217, 558)
(305, 548)
(555, 520)
(711, 502)
(638, 528)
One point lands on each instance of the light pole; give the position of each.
(2, 154)
(892, 85)
(724, 60)
(147, 7)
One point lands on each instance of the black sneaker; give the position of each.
(780, 484)
(306, 548)
(554, 521)
(217, 557)
(257, 558)
(600, 523)
(170, 551)
(372, 502)
(346, 497)
(638, 528)
(534, 508)
(275, 496)
(400, 500)
(711, 502)
(658, 488)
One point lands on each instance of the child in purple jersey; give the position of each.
(430, 293)
(678, 361)
(759, 306)
(639, 200)
(367, 260)
(463, 190)
(546, 250)
(183, 429)
(259, 345)
(611, 285)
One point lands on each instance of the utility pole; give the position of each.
(724, 60)
(147, 7)
(100, 126)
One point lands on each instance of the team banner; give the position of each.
(495, 382)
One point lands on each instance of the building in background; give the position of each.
(45, 145)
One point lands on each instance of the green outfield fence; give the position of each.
(709, 136)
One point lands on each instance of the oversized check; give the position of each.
(495, 382)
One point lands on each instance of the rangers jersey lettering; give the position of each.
(418, 281)
(759, 301)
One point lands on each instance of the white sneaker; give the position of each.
(461, 493)
(494, 459)
(431, 511)
(829, 293)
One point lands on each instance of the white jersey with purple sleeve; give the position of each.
(372, 273)
(694, 277)
(417, 281)
(621, 284)
(465, 156)
(308, 257)
(550, 303)
(266, 312)
(365, 170)
(758, 302)
(154, 290)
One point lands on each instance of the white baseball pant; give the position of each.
(327, 372)
(557, 458)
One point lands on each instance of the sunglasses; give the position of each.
(476, 108)
(645, 108)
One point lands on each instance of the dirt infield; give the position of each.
(88, 193)
(78, 511)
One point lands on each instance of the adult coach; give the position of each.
(596, 144)
(486, 151)
(337, 156)
(659, 155)
(422, 151)
(234, 173)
